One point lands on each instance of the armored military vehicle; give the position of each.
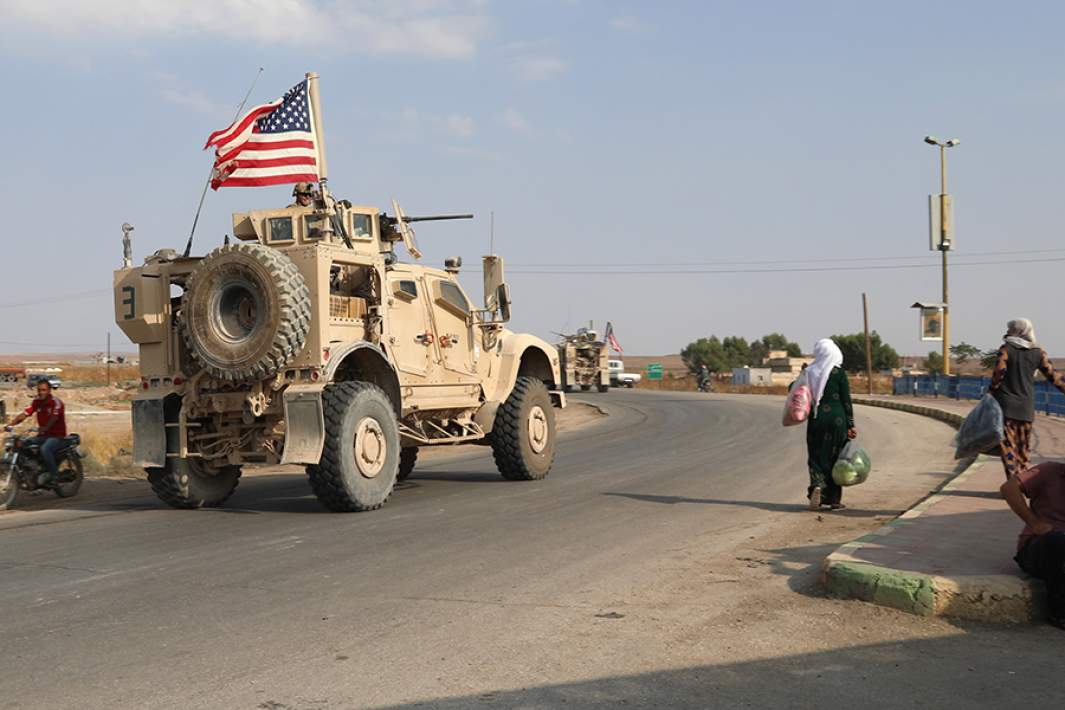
(308, 342)
(583, 361)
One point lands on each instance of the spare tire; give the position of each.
(245, 312)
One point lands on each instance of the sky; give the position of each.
(744, 158)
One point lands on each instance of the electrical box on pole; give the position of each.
(940, 222)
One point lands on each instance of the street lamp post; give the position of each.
(944, 238)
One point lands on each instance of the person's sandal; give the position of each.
(815, 499)
(837, 506)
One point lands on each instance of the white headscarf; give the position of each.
(827, 357)
(1021, 332)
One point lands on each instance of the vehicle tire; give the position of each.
(71, 474)
(630, 384)
(523, 437)
(246, 312)
(585, 388)
(603, 388)
(8, 486)
(184, 483)
(408, 456)
(360, 461)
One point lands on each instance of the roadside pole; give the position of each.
(868, 344)
(109, 358)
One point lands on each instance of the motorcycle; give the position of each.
(704, 385)
(21, 467)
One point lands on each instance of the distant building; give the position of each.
(756, 376)
(785, 368)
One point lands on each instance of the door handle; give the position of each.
(425, 338)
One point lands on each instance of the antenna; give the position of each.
(196, 219)
(492, 232)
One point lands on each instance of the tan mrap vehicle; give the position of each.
(583, 361)
(307, 343)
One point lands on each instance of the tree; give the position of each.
(853, 346)
(737, 351)
(989, 359)
(934, 363)
(705, 351)
(963, 352)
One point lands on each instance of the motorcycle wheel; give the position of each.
(71, 475)
(8, 486)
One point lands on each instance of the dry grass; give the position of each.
(97, 374)
(107, 452)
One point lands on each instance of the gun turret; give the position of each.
(389, 223)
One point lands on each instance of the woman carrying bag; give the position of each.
(831, 423)
(1013, 387)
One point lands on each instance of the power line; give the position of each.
(56, 299)
(790, 261)
(812, 269)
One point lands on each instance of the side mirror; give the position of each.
(503, 300)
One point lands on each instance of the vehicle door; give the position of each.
(454, 327)
(410, 336)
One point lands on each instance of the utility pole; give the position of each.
(868, 344)
(108, 358)
(946, 231)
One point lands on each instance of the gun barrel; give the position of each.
(437, 217)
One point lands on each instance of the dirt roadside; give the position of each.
(123, 483)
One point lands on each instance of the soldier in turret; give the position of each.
(305, 194)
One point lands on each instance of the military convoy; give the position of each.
(308, 342)
(583, 361)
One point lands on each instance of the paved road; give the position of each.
(464, 587)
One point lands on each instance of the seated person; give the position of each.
(1037, 496)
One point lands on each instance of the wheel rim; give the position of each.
(237, 310)
(370, 447)
(538, 429)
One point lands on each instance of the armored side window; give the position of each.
(279, 229)
(313, 224)
(360, 226)
(406, 289)
(451, 295)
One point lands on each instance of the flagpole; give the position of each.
(207, 184)
(319, 134)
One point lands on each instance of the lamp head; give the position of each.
(952, 142)
(931, 140)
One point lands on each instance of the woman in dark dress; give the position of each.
(1013, 386)
(831, 423)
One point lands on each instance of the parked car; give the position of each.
(32, 380)
(619, 377)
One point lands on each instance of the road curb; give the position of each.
(989, 598)
(951, 418)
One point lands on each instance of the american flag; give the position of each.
(271, 144)
(611, 340)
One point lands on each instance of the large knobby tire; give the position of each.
(360, 460)
(408, 456)
(603, 388)
(245, 312)
(523, 437)
(185, 483)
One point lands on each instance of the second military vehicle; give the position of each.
(308, 342)
(583, 361)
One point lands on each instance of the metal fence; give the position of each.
(1048, 399)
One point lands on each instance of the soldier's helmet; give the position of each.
(303, 188)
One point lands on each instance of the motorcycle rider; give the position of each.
(704, 378)
(51, 427)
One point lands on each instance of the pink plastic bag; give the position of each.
(797, 407)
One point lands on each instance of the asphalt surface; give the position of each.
(461, 592)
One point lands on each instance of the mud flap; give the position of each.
(149, 433)
(558, 399)
(304, 424)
